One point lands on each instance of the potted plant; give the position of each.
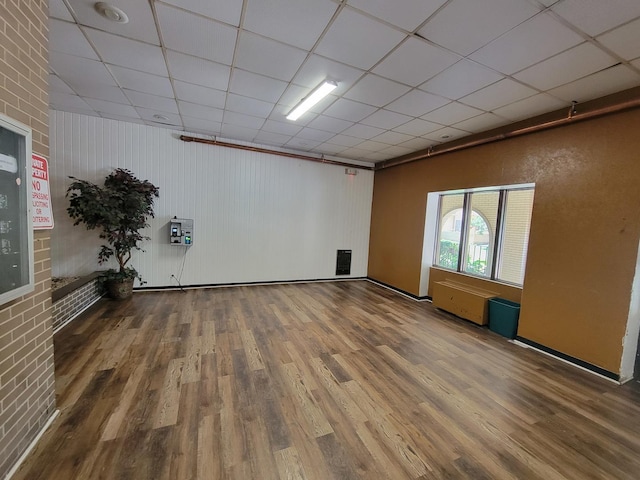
(119, 209)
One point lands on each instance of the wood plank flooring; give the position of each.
(321, 381)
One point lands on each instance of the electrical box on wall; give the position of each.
(181, 231)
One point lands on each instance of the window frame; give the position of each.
(497, 242)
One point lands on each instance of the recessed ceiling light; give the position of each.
(111, 12)
(164, 118)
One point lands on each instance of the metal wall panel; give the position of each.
(258, 217)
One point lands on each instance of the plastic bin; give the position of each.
(503, 317)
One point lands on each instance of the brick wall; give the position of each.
(27, 397)
(75, 302)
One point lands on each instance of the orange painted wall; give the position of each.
(585, 227)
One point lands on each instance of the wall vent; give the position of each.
(343, 262)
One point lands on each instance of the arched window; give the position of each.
(478, 228)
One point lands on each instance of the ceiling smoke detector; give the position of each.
(163, 118)
(111, 12)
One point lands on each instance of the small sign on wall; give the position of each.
(40, 194)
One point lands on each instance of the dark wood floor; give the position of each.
(342, 380)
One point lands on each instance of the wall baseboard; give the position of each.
(31, 446)
(244, 284)
(576, 362)
(399, 290)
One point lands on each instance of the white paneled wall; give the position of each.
(258, 217)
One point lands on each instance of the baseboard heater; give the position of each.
(465, 301)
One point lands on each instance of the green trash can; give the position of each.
(503, 317)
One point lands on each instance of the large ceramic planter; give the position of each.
(120, 289)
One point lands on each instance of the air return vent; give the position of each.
(343, 262)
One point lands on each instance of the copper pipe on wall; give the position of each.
(186, 138)
(572, 117)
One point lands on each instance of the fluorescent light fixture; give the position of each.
(310, 100)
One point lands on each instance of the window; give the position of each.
(485, 233)
(16, 232)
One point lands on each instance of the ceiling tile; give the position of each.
(451, 113)
(271, 138)
(200, 111)
(466, 25)
(128, 53)
(315, 134)
(416, 103)
(362, 131)
(330, 148)
(316, 69)
(595, 16)
(446, 134)
(533, 41)
(355, 153)
(416, 144)
(57, 85)
(140, 99)
(79, 71)
(195, 35)
(67, 38)
(198, 94)
(256, 86)
(329, 124)
(201, 125)
(242, 120)
(414, 62)
(268, 57)
(498, 94)
(296, 22)
(108, 93)
(302, 144)
(170, 118)
(250, 106)
(198, 71)
(602, 83)
(227, 11)
(481, 123)
(392, 138)
(142, 82)
(461, 79)
(288, 128)
(102, 106)
(238, 132)
(374, 157)
(395, 151)
(123, 118)
(386, 119)
(406, 14)
(67, 102)
(530, 107)
(358, 40)
(624, 41)
(141, 25)
(57, 9)
(566, 67)
(346, 140)
(418, 127)
(372, 146)
(376, 91)
(349, 110)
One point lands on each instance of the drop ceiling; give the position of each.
(411, 73)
